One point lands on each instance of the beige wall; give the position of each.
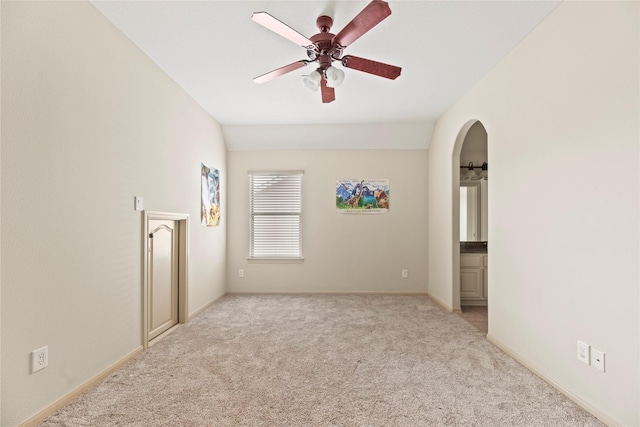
(338, 136)
(343, 253)
(88, 122)
(561, 113)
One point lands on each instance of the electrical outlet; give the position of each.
(583, 352)
(39, 359)
(241, 272)
(597, 359)
(405, 274)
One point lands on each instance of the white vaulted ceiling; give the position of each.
(212, 49)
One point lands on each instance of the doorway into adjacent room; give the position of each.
(470, 212)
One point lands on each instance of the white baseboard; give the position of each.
(605, 418)
(67, 398)
(197, 312)
(442, 303)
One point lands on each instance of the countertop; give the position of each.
(473, 247)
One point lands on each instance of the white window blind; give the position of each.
(276, 214)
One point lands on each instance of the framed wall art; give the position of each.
(362, 196)
(210, 196)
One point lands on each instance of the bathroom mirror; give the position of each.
(471, 217)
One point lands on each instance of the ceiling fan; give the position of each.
(324, 48)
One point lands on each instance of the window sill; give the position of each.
(283, 260)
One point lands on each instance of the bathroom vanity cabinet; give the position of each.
(473, 278)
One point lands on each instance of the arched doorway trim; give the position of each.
(455, 232)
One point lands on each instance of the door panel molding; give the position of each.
(160, 227)
(163, 276)
(183, 263)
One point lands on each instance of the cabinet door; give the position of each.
(471, 283)
(485, 283)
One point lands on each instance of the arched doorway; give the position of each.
(470, 225)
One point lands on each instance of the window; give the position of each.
(275, 203)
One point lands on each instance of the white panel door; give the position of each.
(163, 275)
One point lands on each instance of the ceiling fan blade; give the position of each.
(368, 18)
(371, 67)
(328, 93)
(279, 27)
(279, 71)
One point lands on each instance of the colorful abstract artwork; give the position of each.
(362, 195)
(210, 196)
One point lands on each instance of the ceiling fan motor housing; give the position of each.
(325, 49)
(324, 23)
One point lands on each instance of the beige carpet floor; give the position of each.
(323, 361)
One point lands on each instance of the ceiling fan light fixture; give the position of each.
(470, 172)
(312, 80)
(324, 47)
(335, 76)
(484, 172)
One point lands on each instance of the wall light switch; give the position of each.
(138, 205)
